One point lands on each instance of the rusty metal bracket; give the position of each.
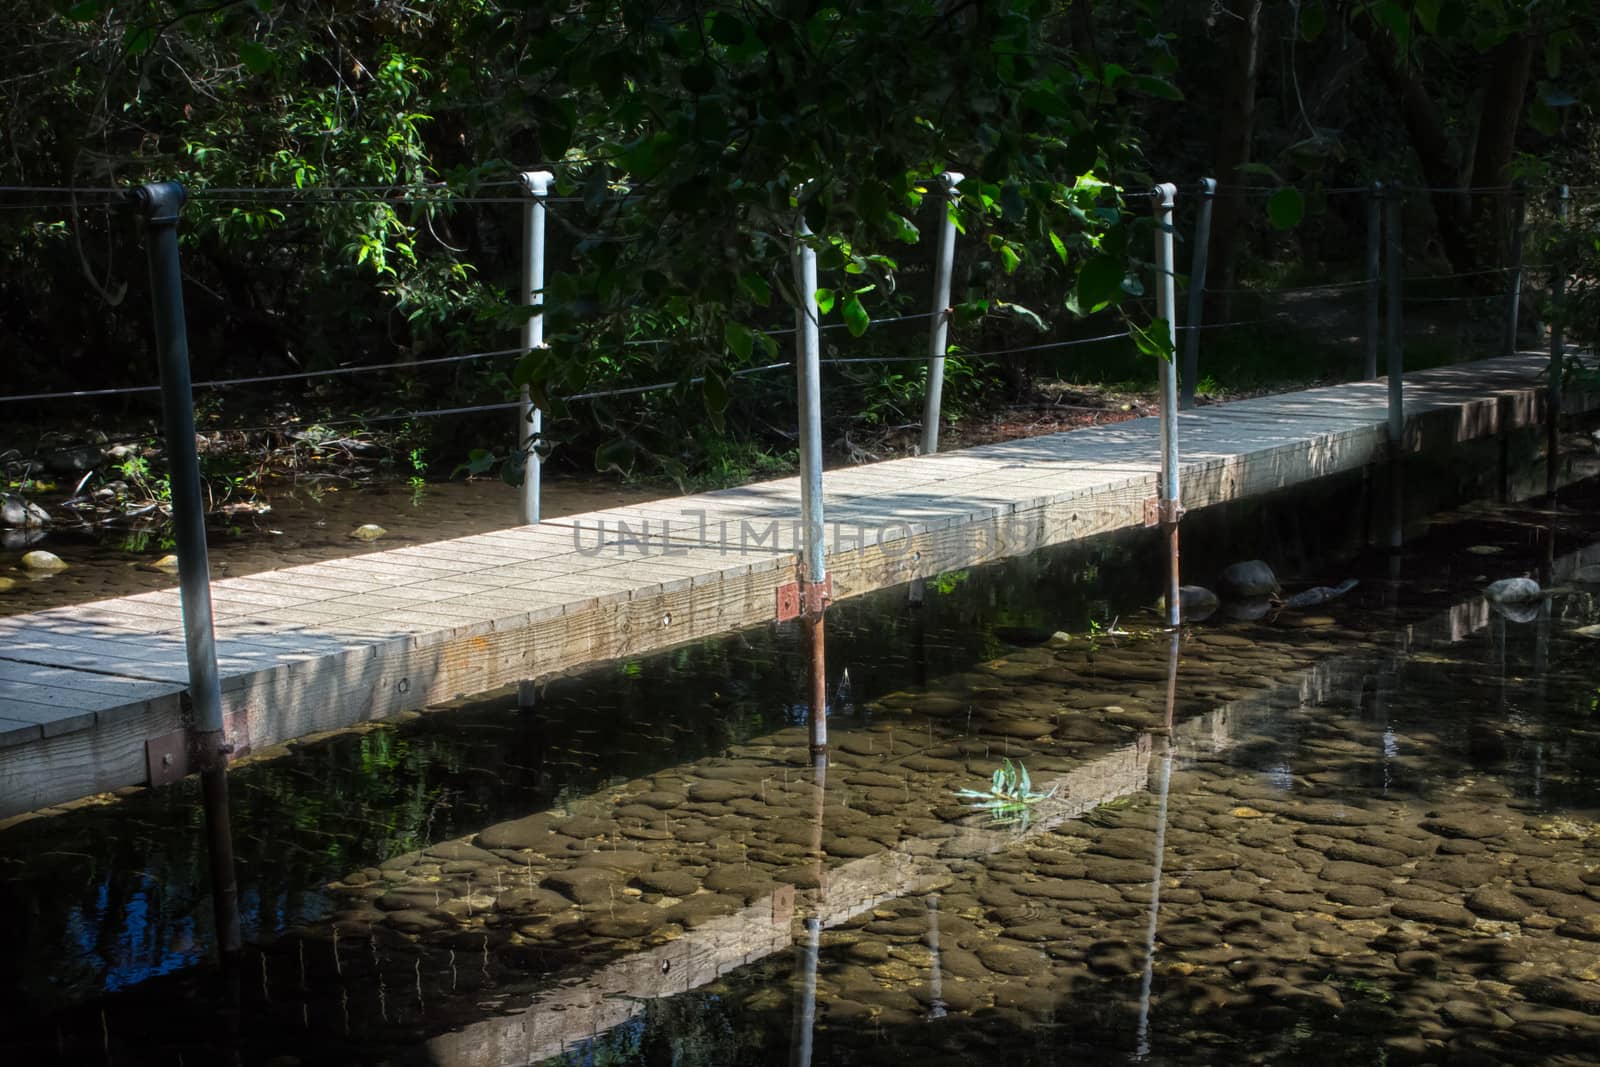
(783, 905)
(166, 758)
(1158, 511)
(803, 598)
(170, 757)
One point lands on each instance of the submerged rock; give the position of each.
(1320, 594)
(1252, 609)
(1511, 591)
(1023, 636)
(19, 514)
(165, 565)
(41, 562)
(1196, 603)
(1251, 578)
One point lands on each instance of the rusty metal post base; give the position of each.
(209, 752)
(811, 624)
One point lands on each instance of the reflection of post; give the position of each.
(1143, 1042)
(819, 765)
(1396, 536)
(814, 566)
(805, 1015)
(805, 1009)
(936, 1008)
(1172, 680)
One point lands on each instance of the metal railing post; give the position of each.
(530, 420)
(1558, 342)
(1197, 292)
(814, 590)
(1394, 323)
(1169, 508)
(939, 325)
(161, 203)
(1519, 222)
(1369, 363)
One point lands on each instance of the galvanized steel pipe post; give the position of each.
(814, 589)
(1166, 307)
(1394, 270)
(1369, 361)
(939, 325)
(161, 203)
(1519, 223)
(1197, 291)
(530, 420)
(1558, 347)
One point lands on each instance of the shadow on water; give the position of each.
(1374, 824)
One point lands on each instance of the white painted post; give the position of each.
(814, 565)
(530, 420)
(939, 325)
(1167, 309)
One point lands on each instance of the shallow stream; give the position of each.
(1363, 833)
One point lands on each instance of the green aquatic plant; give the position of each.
(1010, 793)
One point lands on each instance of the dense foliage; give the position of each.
(353, 168)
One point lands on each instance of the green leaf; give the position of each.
(256, 58)
(756, 288)
(715, 390)
(1099, 282)
(513, 470)
(1543, 117)
(87, 11)
(1009, 258)
(614, 455)
(825, 298)
(1313, 20)
(1061, 249)
(1155, 341)
(726, 29)
(138, 39)
(1428, 14)
(1452, 18)
(1021, 312)
(1286, 208)
(1150, 85)
(739, 339)
(479, 461)
(856, 319)
(1395, 19)
(1258, 168)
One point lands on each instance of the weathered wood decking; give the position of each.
(311, 648)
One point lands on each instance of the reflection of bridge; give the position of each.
(91, 693)
(579, 1009)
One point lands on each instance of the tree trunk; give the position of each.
(1504, 91)
(1425, 127)
(1235, 133)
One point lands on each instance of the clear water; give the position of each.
(1374, 820)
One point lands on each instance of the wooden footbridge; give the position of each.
(92, 696)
